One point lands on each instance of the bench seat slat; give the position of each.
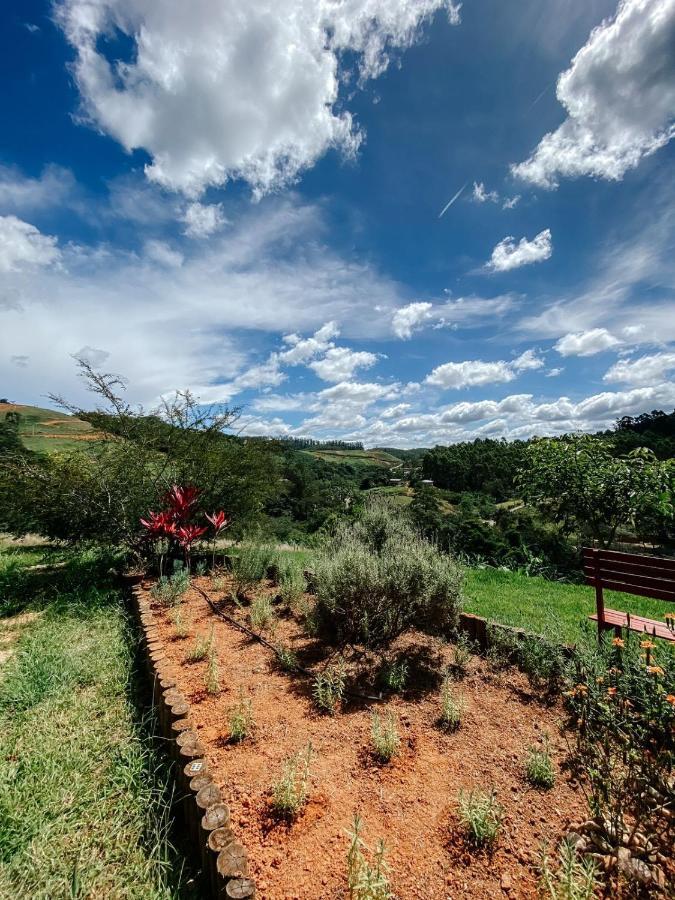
(616, 619)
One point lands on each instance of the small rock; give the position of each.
(506, 882)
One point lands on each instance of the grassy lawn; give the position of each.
(545, 607)
(84, 808)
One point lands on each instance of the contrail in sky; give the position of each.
(451, 201)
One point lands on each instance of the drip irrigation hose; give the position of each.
(261, 640)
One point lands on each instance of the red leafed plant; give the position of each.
(173, 524)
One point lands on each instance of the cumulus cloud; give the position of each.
(619, 95)
(217, 89)
(481, 195)
(511, 202)
(203, 219)
(469, 373)
(22, 246)
(527, 360)
(340, 363)
(643, 370)
(553, 373)
(22, 194)
(160, 252)
(408, 318)
(509, 255)
(454, 312)
(586, 343)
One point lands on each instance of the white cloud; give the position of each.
(20, 194)
(469, 373)
(202, 219)
(619, 95)
(481, 195)
(22, 246)
(508, 255)
(219, 89)
(160, 252)
(586, 343)
(511, 202)
(340, 363)
(553, 373)
(302, 350)
(93, 355)
(407, 318)
(451, 314)
(527, 360)
(643, 370)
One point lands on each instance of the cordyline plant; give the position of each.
(173, 531)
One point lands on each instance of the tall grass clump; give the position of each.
(378, 577)
(366, 880)
(574, 878)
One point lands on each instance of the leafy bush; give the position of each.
(393, 676)
(539, 767)
(366, 881)
(329, 687)
(241, 719)
(170, 589)
(249, 566)
(379, 577)
(261, 612)
(481, 816)
(292, 586)
(453, 706)
(384, 733)
(290, 792)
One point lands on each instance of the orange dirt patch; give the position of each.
(410, 802)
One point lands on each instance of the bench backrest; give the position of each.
(645, 576)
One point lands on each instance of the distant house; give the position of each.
(395, 481)
(428, 482)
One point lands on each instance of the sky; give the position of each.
(401, 222)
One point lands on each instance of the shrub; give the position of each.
(378, 577)
(452, 707)
(480, 815)
(200, 648)
(179, 623)
(261, 612)
(212, 678)
(290, 792)
(292, 586)
(366, 881)
(249, 566)
(329, 687)
(288, 660)
(462, 650)
(573, 879)
(384, 733)
(169, 590)
(539, 767)
(394, 675)
(241, 719)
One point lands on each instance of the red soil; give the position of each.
(410, 802)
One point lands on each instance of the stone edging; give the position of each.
(223, 861)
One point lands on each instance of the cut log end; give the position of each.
(208, 796)
(240, 888)
(220, 838)
(233, 861)
(216, 816)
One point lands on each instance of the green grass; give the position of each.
(47, 430)
(84, 809)
(544, 607)
(357, 457)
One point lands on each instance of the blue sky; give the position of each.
(246, 201)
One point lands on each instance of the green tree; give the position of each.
(578, 481)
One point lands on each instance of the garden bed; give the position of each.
(411, 802)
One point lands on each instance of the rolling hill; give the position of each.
(46, 430)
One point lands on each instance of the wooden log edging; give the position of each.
(206, 816)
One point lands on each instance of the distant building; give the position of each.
(428, 482)
(395, 481)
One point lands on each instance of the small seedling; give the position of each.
(329, 688)
(394, 675)
(287, 658)
(573, 879)
(218, 583)
(180, 624)
(453, 706)
(539, 766)
(200, 648)
(241, 719)
(261, 613)
(290, 792)
(385, 737)
(481, 816)
(366, 881)
(462, 651)
(212, 677)
(200, 567)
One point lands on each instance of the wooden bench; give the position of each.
(642, 576)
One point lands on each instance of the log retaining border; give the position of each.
(206, 816)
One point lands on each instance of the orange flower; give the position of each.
(647, 645)
(671, 699)
(611, 692)
(581, 689)
(655, 670)
(618, 642)
(599, 679)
